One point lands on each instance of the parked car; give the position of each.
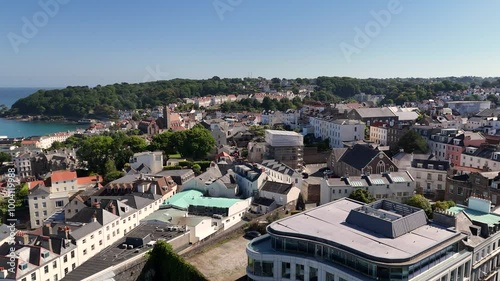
(252, 234)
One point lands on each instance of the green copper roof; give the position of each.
(183, 200)
(487, 218)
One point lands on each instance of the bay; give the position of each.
(17, 128)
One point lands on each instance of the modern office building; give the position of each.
(346, 240)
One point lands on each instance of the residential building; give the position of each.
(51, 195)
(347, 240)
(396, 186)
(250, 179)
(458, 144)
(285, 147)
(371, 115)
(468, 108)
(337, 131)
(429, 175)
(149, 161)
(281, 193)
(485, 156)
(485, 184)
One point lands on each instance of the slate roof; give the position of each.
(359, 156)
(278, 167)
(277, 187)
(263, 201)
(489, 113)
(374, 112)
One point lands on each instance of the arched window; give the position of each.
(369, 170)
(380, 167)
(391, 168)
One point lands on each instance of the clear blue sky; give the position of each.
(89, 42)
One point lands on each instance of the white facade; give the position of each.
(338, 131)
(379, 187)
(378, 135)
(153, 160)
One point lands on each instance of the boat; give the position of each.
(85, 121)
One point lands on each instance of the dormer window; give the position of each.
(419, 165)
(45, 255)
(23, 266)
(430, 166)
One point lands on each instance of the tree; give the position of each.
(443, 205)
(164, 264)
(411, 141)
(197, 169)
(95, 151)
(362, 195)
(421, 202)
(4, 157)
(197, 142)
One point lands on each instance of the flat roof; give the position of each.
(488, 218)
(327, 224)
(283, 133)
(186, 198)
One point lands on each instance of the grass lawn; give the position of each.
(174, 156)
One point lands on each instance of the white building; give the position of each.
(153, 161)
(397, 186)
(337, 130)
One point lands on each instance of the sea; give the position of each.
(16, 128)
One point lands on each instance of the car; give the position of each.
(252, 234)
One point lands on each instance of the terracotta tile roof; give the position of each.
(62, 176)
(32, 184)
(88, 180)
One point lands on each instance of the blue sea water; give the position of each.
(15, 128)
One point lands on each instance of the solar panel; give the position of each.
(356, 183)
(398, 179)
(378, 181)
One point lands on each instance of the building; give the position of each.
(468, 108)
(281, 193)
(347, 240)
(397, 186)
(360, 159)
(150, 161)
(285, 147)
(250, 179)
(337, 131)
(486, 184)
(485, 156)
(203, 215)
(480, 224)
(51, 195)
(429, 175)
(371, 115)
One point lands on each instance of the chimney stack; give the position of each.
(112, 208)
(46, 229)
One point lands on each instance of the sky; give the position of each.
(56, 43)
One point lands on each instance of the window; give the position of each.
(35, 205)
(66, 271)
(65, 259)
(429, 176)
(55, 278)
(73, 266)
(299, 272)
(84, 241)
(285, 270)
(46, 269)
(54, 265)
(72, 254)
(440, 177)
(333, 191)
(33, 276)
(45, 213)
(450, 189)
(329, 277)
(100, 242)
(44, 204)
(59, 203)
(37, 214)
(84, 252)
(92, 247)
(92, 236)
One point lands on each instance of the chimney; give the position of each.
(64, 232)
(97, 204)
(112, 208)
(94, 218)
(46, 229)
